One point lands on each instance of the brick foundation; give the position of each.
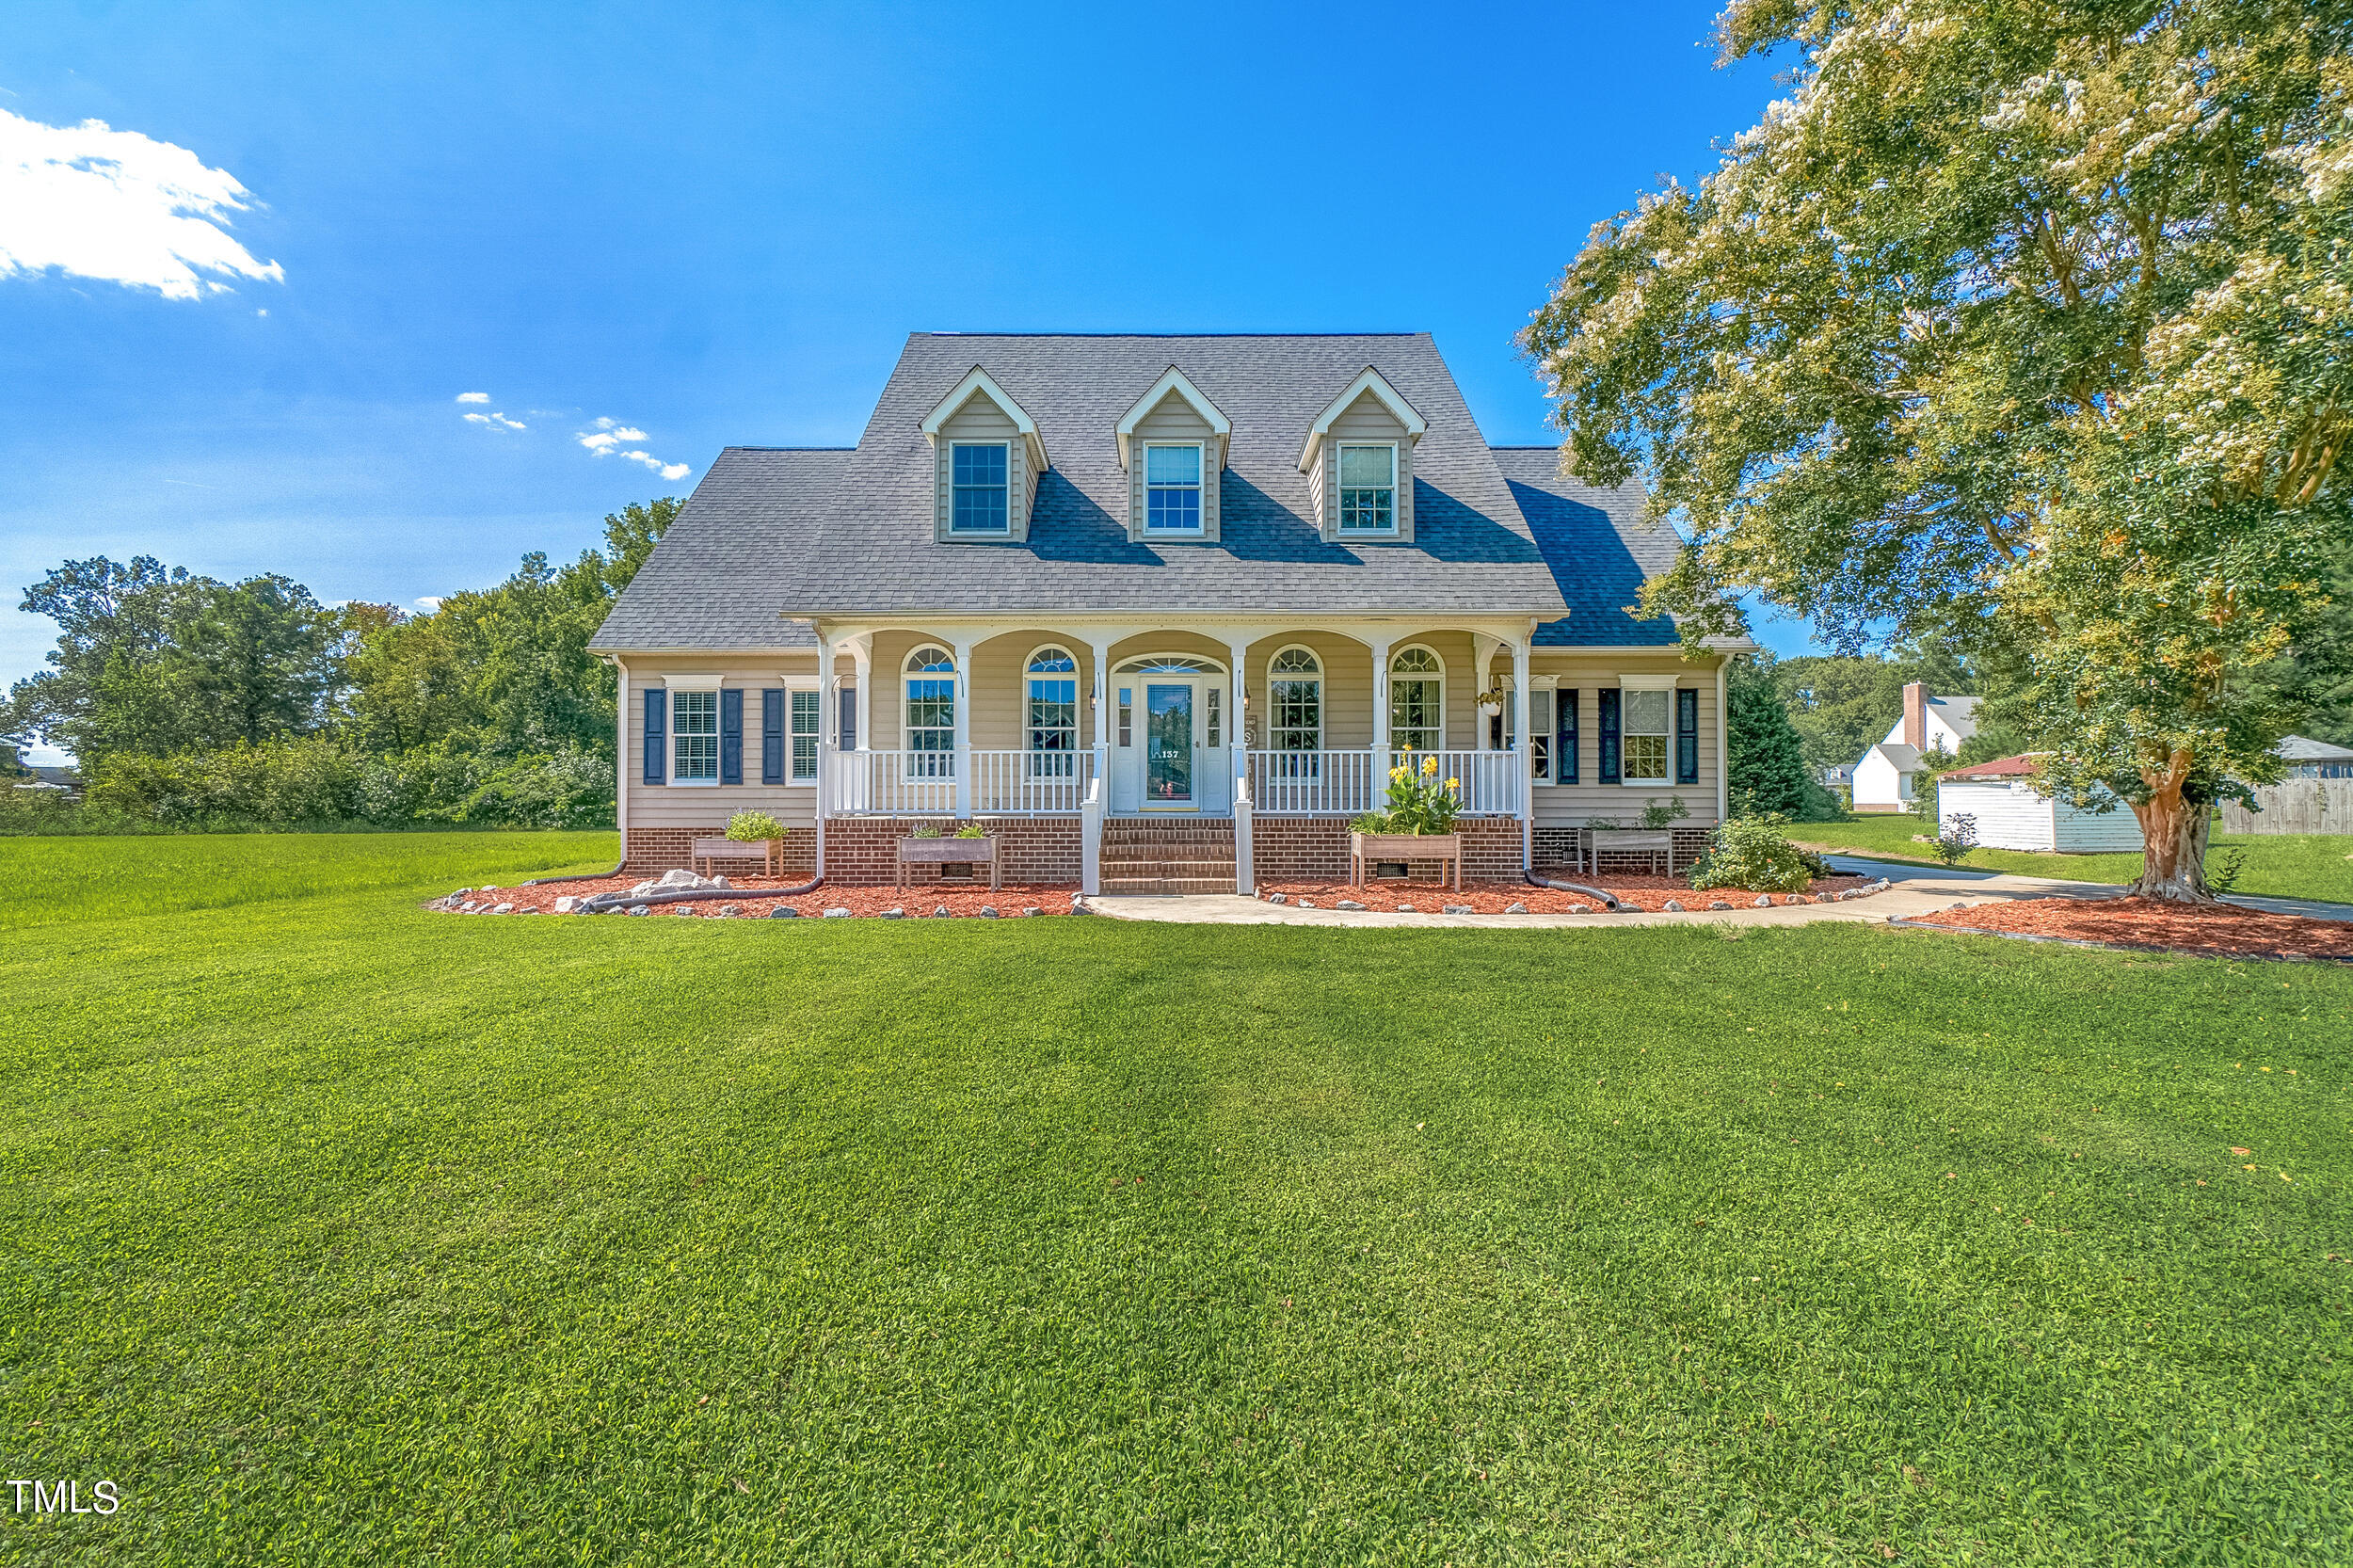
(862, 851)
(1561, 850)
(1315, 849)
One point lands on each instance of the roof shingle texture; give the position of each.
(1598, 546)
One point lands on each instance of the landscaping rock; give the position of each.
(1033, 909)
(566, 905)
(730, 909)
(504, 909)
(837, 913)
(940, 912)
(988, 911)
(1350, 904)
(1764, 901)
(894, 913)
(639, 909)
(1460, 910)
(1515, 909)
(1278, 898)
(1578, 909)
(677, 876)
(722, 882)
(784, 912)
(1674, 908)
(1307, 903)
(1718, 903)
(467, 907)
(526, 911)
(1402, 908)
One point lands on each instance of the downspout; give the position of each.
(1723, 745)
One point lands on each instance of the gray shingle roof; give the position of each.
(1599, 548)
(757, 534)
(721, 576)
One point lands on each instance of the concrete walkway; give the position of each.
(1916, 890)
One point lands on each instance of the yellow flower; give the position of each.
(1453, 783)
(1429, 766)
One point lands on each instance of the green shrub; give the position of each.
(314, 781)
(751, 827)
(925, 830)
(1754, 853)
(972, 830)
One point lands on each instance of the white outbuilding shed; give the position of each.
(2009, 813)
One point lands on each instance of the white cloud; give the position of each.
(473, 397)
(428, 602)
(493, 418)
(608, 436)
(96, 202)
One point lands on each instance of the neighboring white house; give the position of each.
(1884, 778)
(2010, 814)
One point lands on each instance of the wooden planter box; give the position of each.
(949, 851)
(769, 851)
(1364, 848)
(1658, 843)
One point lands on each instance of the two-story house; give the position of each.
(1161, 611)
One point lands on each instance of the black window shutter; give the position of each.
(657, 735)
(732, 735)
(1687, 736)
(1608, 696)
(771, 736)
(1564, 745)
(849, 718)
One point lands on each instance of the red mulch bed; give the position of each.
(1012, 900)
(1634, 892)
(2225, 930)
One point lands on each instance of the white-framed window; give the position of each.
(694, 736)
(804, 704)
(1054, 713)
(1417, 700)
(1171, 488)
(931, 713)
(1368, 490)
(977, 473)
(1646, 734)
(1294, 689)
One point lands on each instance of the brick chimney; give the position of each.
(1916, 717)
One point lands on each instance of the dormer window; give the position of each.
(980, 488)
(1172, 483)
(1368, 490)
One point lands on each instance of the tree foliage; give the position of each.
(187, 698)
(2025, 320)
(1765, 769)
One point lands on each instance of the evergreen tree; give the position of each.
(1765, 760)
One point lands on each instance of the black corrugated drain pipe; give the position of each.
(1609, 901)
(605, 903)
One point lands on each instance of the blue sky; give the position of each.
(714, 224)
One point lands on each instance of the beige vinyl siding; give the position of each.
(1367, 420)
(1347, 676)
(1569, 805)
(981, 420)
(1173, 419)
(709, 805)
(1001, 688)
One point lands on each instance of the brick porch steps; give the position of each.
(1143, 855)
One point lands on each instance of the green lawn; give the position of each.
(341, 1232)
(2287, 865)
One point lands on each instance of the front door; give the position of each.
(1168, 745)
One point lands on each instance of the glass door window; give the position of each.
(1168, 736)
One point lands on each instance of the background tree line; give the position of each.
(189, 701)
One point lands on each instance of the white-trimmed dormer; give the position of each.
(1172, 442)
(1359, 463)
(986, 456)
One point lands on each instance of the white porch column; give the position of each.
(1521, 752)
(963, 650)
(862, 654)
(1099, 656)
(1380, 779)
(1238, 744)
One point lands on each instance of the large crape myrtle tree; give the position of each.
(2027, 320)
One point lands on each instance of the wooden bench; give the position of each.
(948, 852)
(768, 852)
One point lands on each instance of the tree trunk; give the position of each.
(2173, 834)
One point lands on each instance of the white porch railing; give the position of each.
(923, 783)
(1344, 783)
